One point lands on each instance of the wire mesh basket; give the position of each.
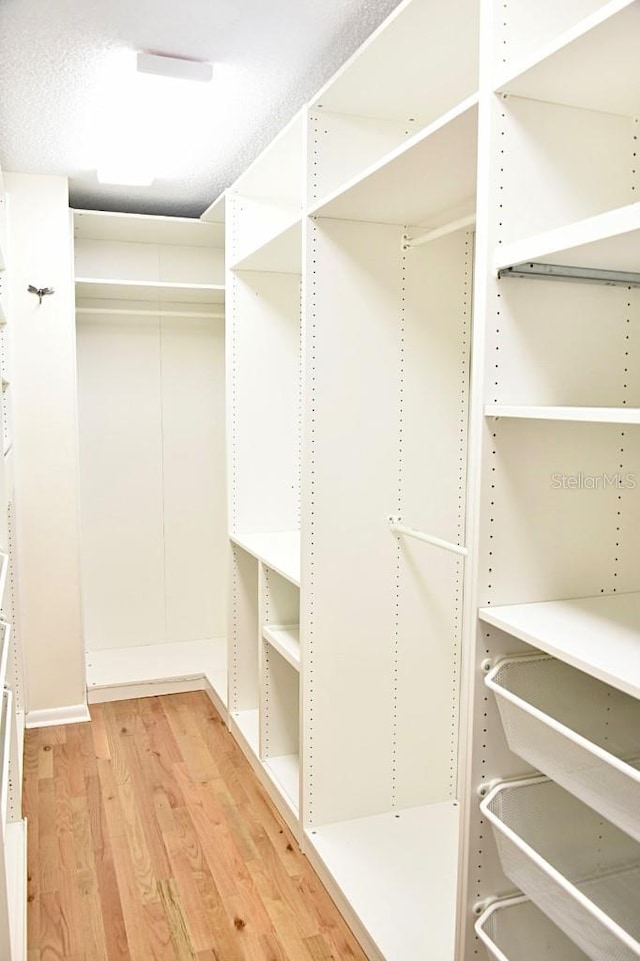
(579, 731)
(581, 871)
(514, 929)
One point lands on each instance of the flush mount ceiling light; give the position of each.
(149, 116)
(174, 68)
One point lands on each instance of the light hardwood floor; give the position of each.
(150, 839)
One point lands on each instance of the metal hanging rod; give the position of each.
(403, 530)
(438, 232)
(585, 275)
(120, 311)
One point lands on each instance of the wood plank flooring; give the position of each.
(150, 839)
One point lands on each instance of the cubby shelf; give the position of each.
(396, 866)
(608, 241)
(428, 176)
(285, 773)
(279, 550)
(599, 635)
(286, 641)
(593, 65)
(165, 292)
(595, 415)
(281, 253)
(248, 724)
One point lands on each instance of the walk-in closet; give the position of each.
(358, 456)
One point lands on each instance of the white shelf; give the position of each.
(285, 772)
(279, 550)
(93, 288)
(420, 60)
(158, 664)
(594, 65)
(248, 724)
(140, 228)
(598, 635)
(594, 415)
(286, 641)
(608, 241)
(399, 873)
(421, 181)
(277, 173)
(280, 254)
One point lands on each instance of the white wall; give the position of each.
(45, 431)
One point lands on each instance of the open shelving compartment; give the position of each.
(387, 353)
(266, 203)
(151, 354)
(397, 84)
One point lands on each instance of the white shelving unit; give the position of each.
(553, 568)
(431, 290)
(150, 339)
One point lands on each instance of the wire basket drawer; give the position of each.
(516, 930)
(581, 871)
(579, 731)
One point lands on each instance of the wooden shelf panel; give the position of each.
(140, 228)
(280, 254)
(595, 415)
(594, 65)
(428, 178)
(608, 241)
(286, 641)
(599, 635)
(393, 866)
(279, 550)
(93, 288)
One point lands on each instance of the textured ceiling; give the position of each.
(64, 96)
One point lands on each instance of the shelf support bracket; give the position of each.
(585, 275)
(401, 530)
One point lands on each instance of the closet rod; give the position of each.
(443, 231)
(402, 529)
(150, 313)
(589, 275)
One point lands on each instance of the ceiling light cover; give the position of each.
(174, 67)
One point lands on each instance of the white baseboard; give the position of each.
(70, 714)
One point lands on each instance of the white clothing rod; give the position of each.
(429, 539)
(439, 232)
(150, 313)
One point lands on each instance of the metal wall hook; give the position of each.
(40, 291)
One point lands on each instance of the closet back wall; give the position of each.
(151, 403)
(152, 479)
